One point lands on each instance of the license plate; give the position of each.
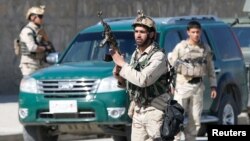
(63, 106)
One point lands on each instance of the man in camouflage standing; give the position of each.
(145, 80)
(32, 52)
(193, 60)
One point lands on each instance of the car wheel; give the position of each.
(38, 133)
(227, 111)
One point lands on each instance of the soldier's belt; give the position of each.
(195, 80)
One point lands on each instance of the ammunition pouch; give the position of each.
(24, 49)
(17, 46)
(192, 68)
(143, 96)
(160, 102)
(139, 95)
(34, 55)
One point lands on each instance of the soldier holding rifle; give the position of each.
(33, 41)
(146, 80)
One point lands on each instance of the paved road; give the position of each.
(9, 123)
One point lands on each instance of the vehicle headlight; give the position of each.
(108, 84)
(116, 112)
(29, 85)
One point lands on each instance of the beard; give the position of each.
(143, 43)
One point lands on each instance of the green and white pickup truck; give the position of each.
(79, 95)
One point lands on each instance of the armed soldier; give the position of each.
(146, 82)
(33, 44)
(193, 60)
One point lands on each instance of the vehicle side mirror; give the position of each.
(52, 58)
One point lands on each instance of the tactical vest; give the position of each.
(37, 40)
(24, 48)
(192, 60)
(144, 96)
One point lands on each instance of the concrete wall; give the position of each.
(64, 18)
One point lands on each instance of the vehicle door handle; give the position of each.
(217, 71)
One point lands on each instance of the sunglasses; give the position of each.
(40, 16)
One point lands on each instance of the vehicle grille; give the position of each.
(72, 86)
(86, 114)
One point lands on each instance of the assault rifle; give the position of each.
(43, 38)
(44, 41)
(109, 39)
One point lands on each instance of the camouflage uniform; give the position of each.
(30, 60)
(147, 119)
(30, 41)
(145, 79)
(193, 63)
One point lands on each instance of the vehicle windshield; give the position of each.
(85, 47)
(243, 35)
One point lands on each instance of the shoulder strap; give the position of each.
(33, 31)
(183, 44)
(154, 50)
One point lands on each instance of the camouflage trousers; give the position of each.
(146, 124)
(190, 96)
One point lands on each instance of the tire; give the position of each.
(227, 114)
(38, 133)
(227, 111)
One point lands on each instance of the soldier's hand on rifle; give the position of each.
(48, 48)
(117, 58)
(116, 71)
(121, 81)
(41, 49)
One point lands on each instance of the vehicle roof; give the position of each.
(124, 23)
(238, 22)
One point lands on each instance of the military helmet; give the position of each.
(35, 10)
(141, 19)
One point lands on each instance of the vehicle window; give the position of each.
(243, 35)
(171, 39)
(225, 42)
(86, 47)
(204, 38)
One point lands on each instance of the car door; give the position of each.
(229, 60)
